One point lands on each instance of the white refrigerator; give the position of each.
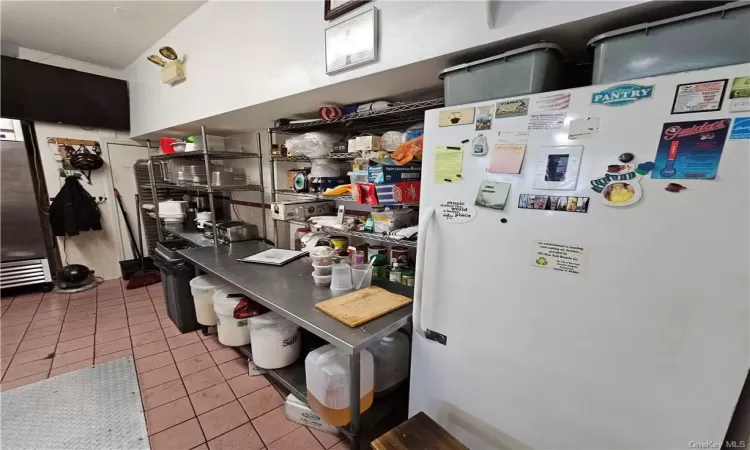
(612, 314)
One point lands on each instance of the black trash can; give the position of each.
(175, 277)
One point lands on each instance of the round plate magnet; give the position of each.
(626, 157)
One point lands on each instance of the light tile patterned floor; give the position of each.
(196, 392)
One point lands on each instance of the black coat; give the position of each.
(73, 210)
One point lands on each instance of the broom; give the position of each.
(143, 277)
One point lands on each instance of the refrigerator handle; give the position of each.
(424, 225)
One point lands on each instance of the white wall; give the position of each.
(58, 61)
(98, 250)
(246, 53)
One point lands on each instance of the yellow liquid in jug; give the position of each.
(338, 417)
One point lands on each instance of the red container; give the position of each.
(165, 144)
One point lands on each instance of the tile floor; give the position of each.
(196, 393)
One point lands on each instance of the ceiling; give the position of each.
(107, 33)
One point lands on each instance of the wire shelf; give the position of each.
(211, 155)
(402, 113)
(318, 196)
(204, 188)
(338, 156)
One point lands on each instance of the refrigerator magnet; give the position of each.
(484, 117)
(492, 194)
(457, 211)
(621, 185)
(456, 117)
(557, 167)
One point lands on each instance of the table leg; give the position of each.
(354, 399)
(197, 271)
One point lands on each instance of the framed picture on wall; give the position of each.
(352, 42)
(335, 8)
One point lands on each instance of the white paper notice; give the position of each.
(699, 97)
(512, 137)
(554, 102)
(559, 257)
(551, 121)
(585, 126)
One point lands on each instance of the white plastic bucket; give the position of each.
(203, 289)
(275, 341)
(232, 332)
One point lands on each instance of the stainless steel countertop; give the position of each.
(290, 291)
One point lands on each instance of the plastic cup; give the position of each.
(361, 275)
(341, 279)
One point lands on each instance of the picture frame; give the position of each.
(352, 42)
(336, 8)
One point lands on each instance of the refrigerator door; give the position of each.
(21, 230)
(646, 347)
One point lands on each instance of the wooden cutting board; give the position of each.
(363, 305)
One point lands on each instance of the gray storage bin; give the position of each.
(711, 38)
(528, 70)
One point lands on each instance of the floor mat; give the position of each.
(95, 408)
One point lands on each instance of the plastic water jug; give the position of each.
(327, 374)
(391, 356)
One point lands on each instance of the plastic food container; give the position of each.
(711, 38)
(357, 176)
(275, 341)
(527, 70)
(391, 356)
(322, 256)
(327, 376)
(203, 289)
(232, 332)
(322, 270)
(322, 280)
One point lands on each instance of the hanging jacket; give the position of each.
(73, 210)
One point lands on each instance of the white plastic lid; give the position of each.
(269, 318)
(322, 251)
(206, 282)
(224, 305)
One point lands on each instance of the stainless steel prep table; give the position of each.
(290, 291)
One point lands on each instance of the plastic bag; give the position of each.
(312, 145)
(408, 151)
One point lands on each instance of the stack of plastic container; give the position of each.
(322, 262)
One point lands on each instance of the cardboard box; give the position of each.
(367, 143)
(393, 174)
(398, 193)
(298, 412)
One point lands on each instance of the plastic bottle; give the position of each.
(379, 267)
(391, 356)
(327, 377)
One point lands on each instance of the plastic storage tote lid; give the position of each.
(269, 318)
(543, 46)
(645, 26)
(206, 282)
(225, 305)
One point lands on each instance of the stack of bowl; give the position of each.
(322, 262)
